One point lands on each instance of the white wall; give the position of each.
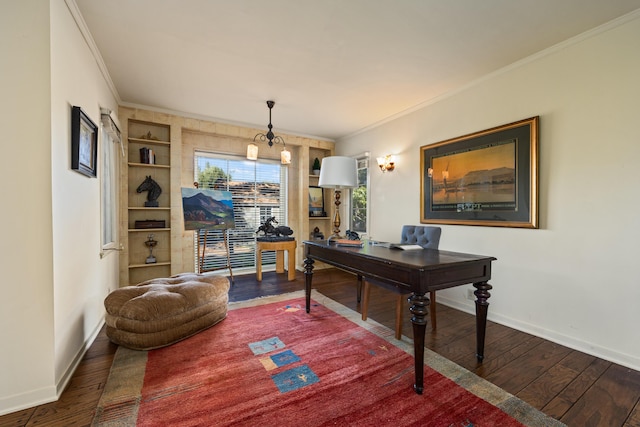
(81, 279)
(26, 304)
(573, 280)
(54, 281)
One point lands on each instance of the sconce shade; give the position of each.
(386, 163)
(338, 172)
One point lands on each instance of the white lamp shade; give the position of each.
(338, 172)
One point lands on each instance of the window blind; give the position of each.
(258, 190)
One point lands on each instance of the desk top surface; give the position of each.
(423, 259)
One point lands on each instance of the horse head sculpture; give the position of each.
(153, 189)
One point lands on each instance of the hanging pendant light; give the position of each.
(252, 152)
(269, 138)
(285, 157)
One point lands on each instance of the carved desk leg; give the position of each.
(308, 275)
(418, 308)
(482, 305)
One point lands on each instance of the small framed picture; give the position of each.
(316, 202)
(84, 143)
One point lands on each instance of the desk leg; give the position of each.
(482, 305)
(308, 275)
(418, 308)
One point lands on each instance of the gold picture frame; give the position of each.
(487, 178)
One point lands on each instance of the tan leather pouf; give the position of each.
(162, 311)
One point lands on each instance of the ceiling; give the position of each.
(333, 67)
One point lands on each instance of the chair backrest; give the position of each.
(426, 236)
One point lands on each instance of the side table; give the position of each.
(279, 247)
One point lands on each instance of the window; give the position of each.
(258, 190)
(358, 202)
(109, 140)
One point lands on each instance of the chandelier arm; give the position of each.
(265, 138)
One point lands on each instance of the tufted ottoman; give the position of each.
(160, 312)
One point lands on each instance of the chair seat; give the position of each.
(429, 238)
(401, 296)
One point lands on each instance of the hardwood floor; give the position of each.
(578, 389)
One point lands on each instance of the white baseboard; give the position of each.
(629, 361)
(66, 377)
(26, 400)
(50, 393)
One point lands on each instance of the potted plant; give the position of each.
(316, 166)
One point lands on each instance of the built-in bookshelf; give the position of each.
(148, 155)
(322, 223)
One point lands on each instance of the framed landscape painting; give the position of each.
(487, 178)
(205, 209)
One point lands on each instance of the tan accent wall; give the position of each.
(189, 135)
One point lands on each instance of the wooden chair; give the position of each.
(429, 238)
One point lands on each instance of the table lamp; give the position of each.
(338, 172)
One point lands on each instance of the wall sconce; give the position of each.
(386, 163)
(270, 138)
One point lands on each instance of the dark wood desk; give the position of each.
(420, 272)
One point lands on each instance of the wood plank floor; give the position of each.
(578, 389)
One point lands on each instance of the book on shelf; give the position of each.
(144, 155)
(147, 156)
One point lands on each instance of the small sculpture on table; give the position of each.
(150, 243)
(317, 234)
(352, 235)
(272, 233)
(153, 189)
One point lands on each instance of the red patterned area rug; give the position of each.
(269, 363)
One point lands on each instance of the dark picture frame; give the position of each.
(316, 202)
(84, 143)
(487, 178)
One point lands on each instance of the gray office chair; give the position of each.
(429, 238)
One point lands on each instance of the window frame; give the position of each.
(251, 215)
(364, 157)
(108, 185)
